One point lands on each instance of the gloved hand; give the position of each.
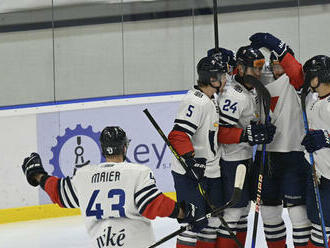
(258, 134)
(315, 140)
(31, 167)
(269, 41)
(227, 56)
(197, 165)
(191, 213)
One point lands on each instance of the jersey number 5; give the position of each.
(98, 212)
(190, 110)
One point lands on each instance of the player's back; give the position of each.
(111, 198)
(286, 115)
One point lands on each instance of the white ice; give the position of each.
(70, 232)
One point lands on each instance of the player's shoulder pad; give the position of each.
(235, 92)
(139, 167)
(196, 97)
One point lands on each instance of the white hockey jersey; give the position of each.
(286, 115)
(112, 197)
(318, 115)
(198, 117)
(238, 107)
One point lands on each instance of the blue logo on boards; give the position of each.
(80, 146)
(76, 148)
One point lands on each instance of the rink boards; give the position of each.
(65, 134)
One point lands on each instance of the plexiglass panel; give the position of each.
(58, 50)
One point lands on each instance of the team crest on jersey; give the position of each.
(76, 148)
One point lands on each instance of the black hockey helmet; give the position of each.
(318, 66)
(274, 59)
(211, 67)
(113, 139)
(250, 57)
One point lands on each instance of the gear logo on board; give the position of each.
(76, 148)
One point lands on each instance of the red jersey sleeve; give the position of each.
(229, 135)
(181, 142)
(161, 206)
(52, 189)
(294, 70)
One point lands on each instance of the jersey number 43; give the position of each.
(97, 210)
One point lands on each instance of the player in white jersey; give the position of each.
(317, 141)
(194, 136)
(238, 109)
(285, 169)
(116, 198)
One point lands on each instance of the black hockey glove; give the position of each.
(190, 213)
(31, 167)
(316, 140)
(269, 41)
(256, 134)
(189, 210)
(197, 165)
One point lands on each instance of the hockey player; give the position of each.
(116, 198)
(238, 109)
(194, 136)
(285, 167)
(317, 141)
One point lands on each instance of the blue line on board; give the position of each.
(96, 99)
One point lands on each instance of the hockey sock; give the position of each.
(204, 244)
(206, 238)
(242, 229)
(186, 239)
(301, 225)
(223, 242)
(274, 227)
(316, 239)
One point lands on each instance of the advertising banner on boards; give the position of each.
(71, 138)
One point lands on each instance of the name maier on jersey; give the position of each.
(117, 199)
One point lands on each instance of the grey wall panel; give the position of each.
(235, 28)
(314, 31)
(140, 57)
(158, 55)
(26, 67)
(88, 61)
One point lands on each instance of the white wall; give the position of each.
(18, 139)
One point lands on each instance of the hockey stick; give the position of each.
(258, 198)
(186, 168)
(239, 182)
(215, 25)
(312, 163)
(264, 97)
